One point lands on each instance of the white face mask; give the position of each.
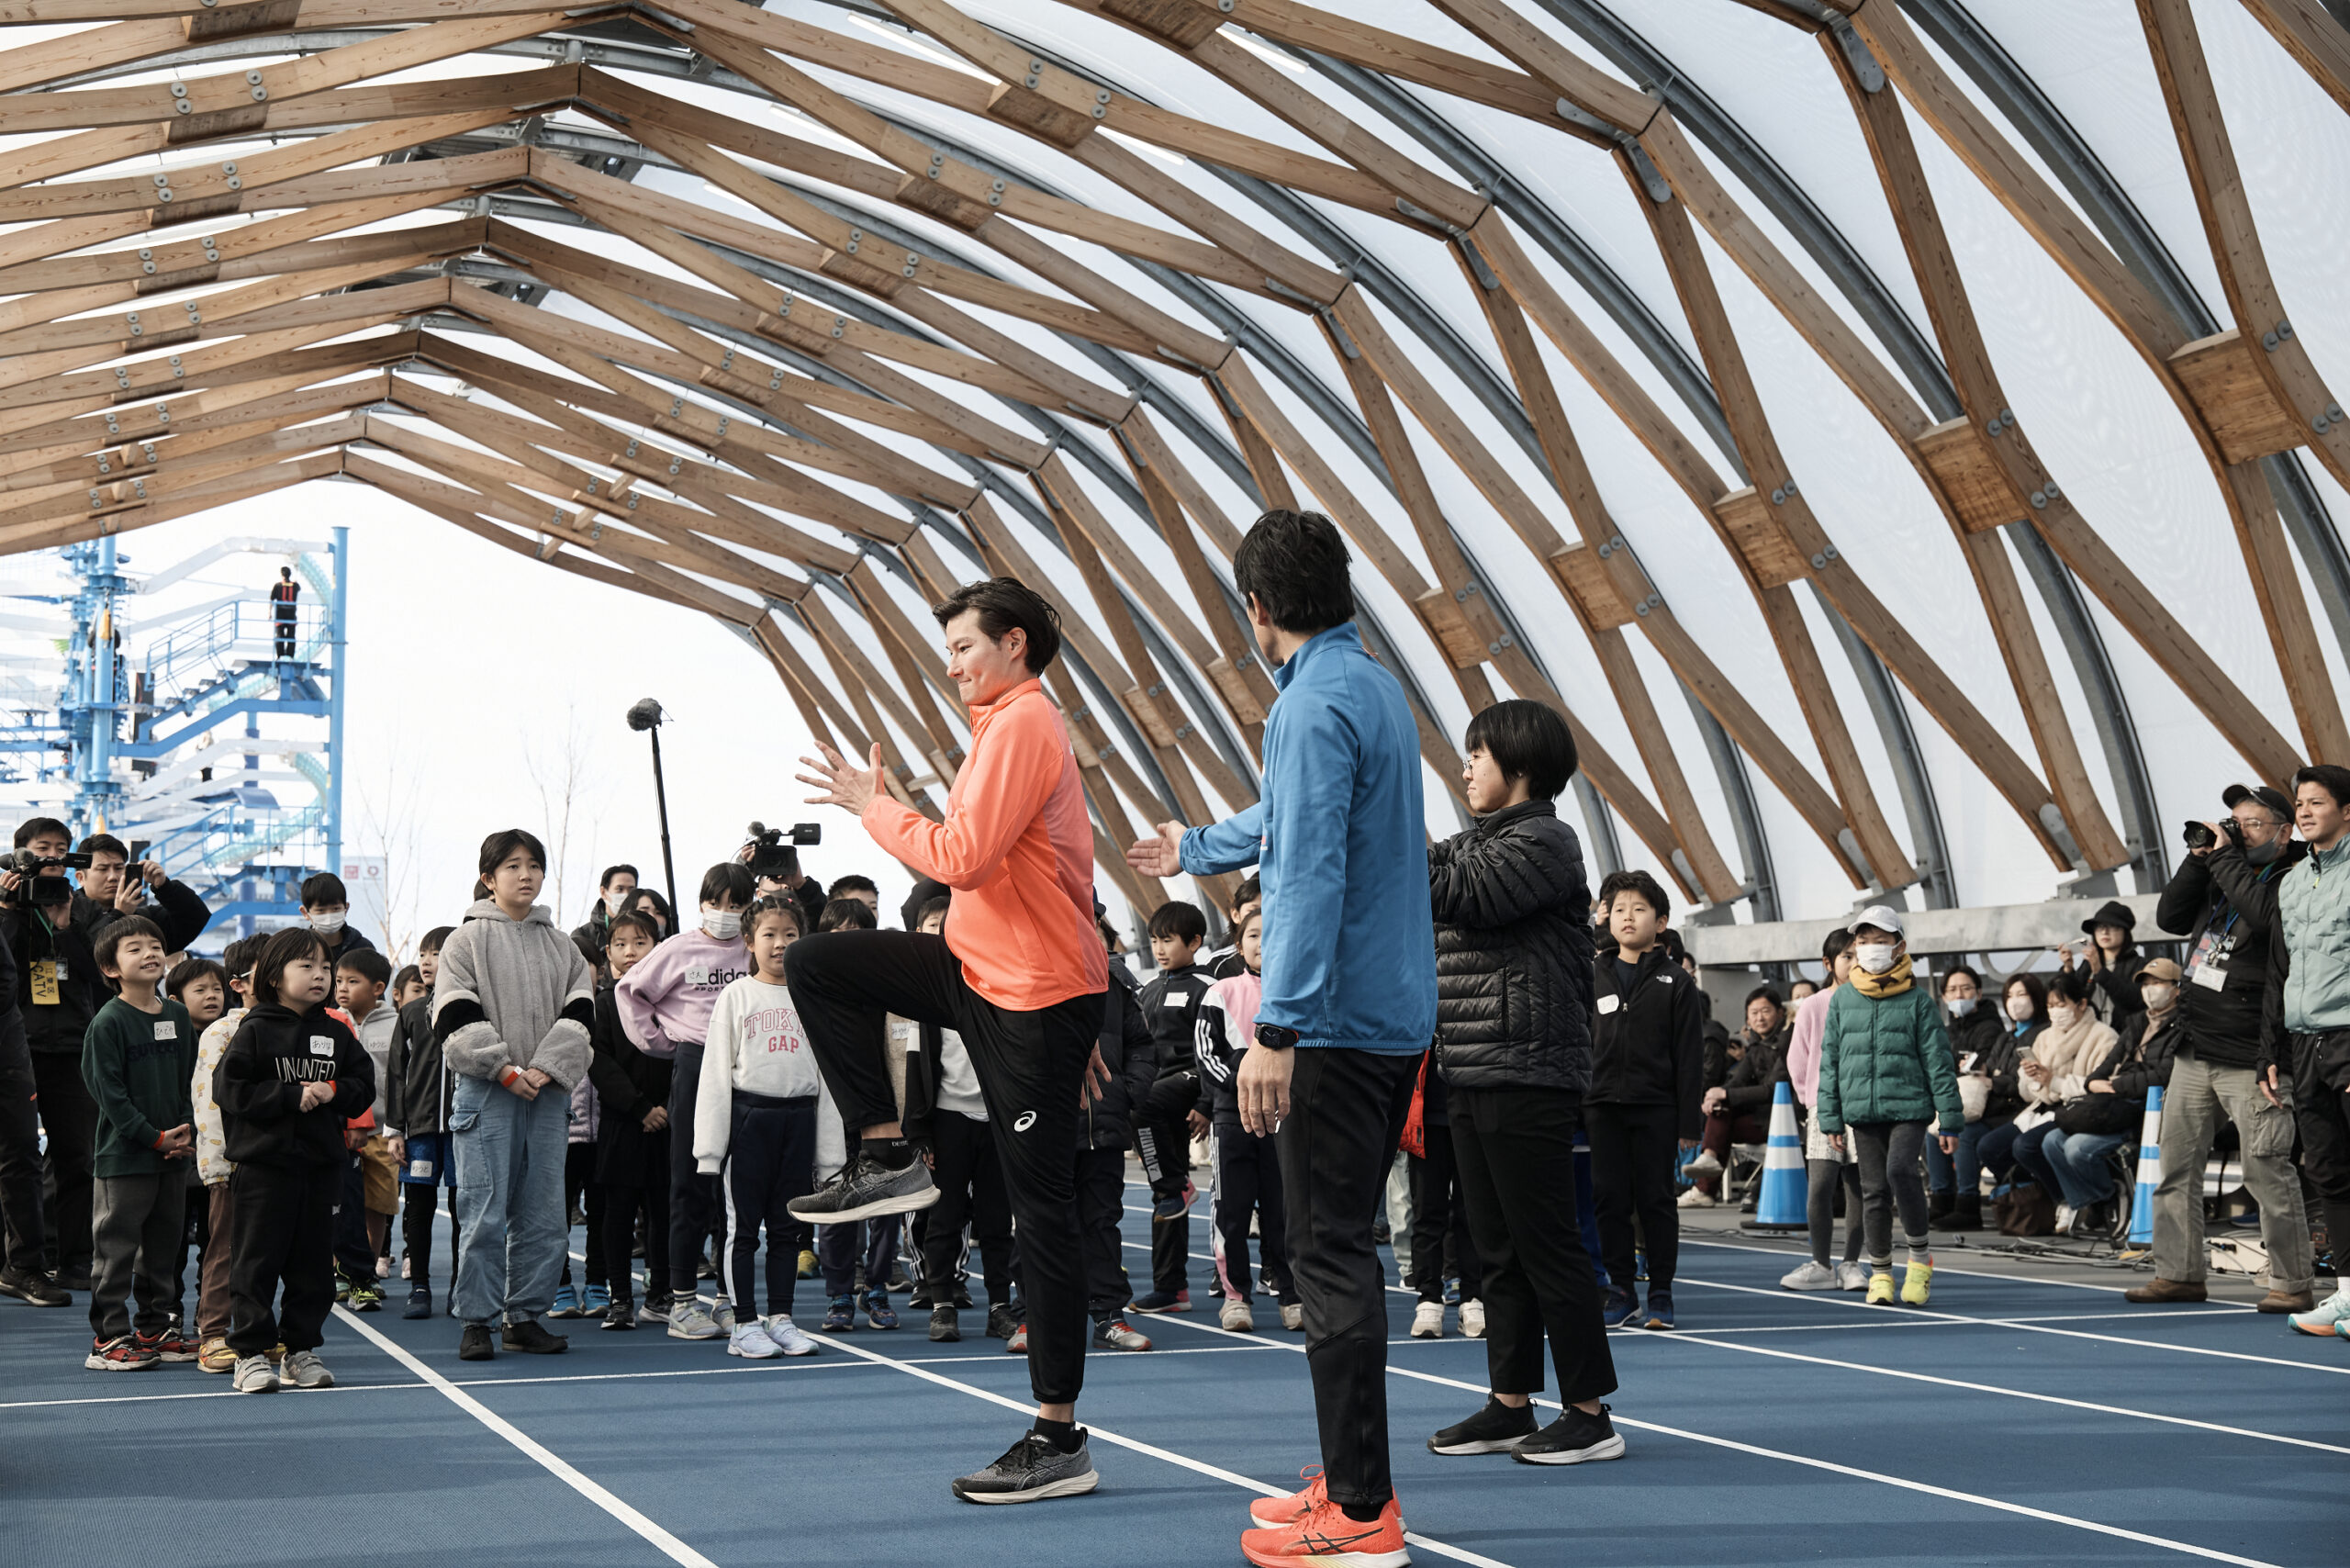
(617, 897)
(1876, 958)
(1960, 1006)
(726, 924)
(2159, 994)
(2060, 1017)
(2020, 1009)
(327, 924)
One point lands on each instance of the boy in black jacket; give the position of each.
(1647, 1071)
(416, 1123)
(292, 1077)
(1171, 1006)
(631, 1138)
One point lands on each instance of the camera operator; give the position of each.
(109, 892)
(58, 991)
(2224, 897)
(23, 1239)
(774, 861)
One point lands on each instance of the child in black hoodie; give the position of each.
(291, 1077)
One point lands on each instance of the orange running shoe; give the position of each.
(1325, 1536)
(1272, 1513)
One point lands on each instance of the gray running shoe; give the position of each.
(256, 1375)
(1031, 1471)
(692, 1321)
(303, 1370)
(867, 1189)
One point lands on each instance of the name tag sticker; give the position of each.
(1610, 1003)
(323, 1045)
(1178, 1002)
(167, 1029)
(2211, 977)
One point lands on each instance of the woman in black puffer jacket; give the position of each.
(1514, 986)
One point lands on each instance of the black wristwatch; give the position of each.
(1274, 1037)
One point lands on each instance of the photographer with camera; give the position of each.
(2224, 896)
(109, 892)
(773, 856)
(59, 990)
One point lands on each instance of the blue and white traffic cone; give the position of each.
(2150, 1172)
(1784, 1186)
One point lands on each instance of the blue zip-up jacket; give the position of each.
(1340, 842)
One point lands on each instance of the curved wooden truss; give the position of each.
(796, 325)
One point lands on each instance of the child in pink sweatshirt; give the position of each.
(1826, 1164)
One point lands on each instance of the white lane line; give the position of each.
(1228, 1476)
(1904, 1483)
(208, 1393)
(2006, 1393)
(2028, 1326)
(1884, 1321)
(1688, 1240)
(660, 1540)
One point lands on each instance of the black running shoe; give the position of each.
(1002, 1322)
(1031, 1471)
(29, 1285)
(867, 1189)
(476, 1344)
(529, 1336)
(1573, 1439)
(1497, 1429)
(620, 1316)
(945, 1327)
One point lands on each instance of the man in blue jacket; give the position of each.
(1339, 840)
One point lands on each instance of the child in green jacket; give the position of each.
(1886, 1070)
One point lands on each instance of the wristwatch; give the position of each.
(1274, 1037)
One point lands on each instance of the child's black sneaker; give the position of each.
(945, 1329)
(1574, 1438)
(1497, 1429)
(621, 1314)
(420, 1301)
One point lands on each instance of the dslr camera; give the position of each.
(42, 877)
(774, 852)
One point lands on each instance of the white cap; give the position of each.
(1882, 916)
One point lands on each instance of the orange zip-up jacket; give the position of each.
(1017, 849)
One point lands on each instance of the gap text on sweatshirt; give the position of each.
(756, 1045)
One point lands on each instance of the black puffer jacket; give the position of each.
(2141, 1059)
(1512, 953)
(2225, 896)
(1753, 1080)
(1133, 1060)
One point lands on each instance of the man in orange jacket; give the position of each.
(1019, 973)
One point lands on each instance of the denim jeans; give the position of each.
(509, 1199)
(2077, 1160)
(1962, 1171)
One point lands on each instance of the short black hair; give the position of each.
(1967, 969)
(41, 827)
(2071, 985)
(1251, 891)
(2035, 988)
(1834, 946)
(435, 939)
(122, 931)
(1766, 994)
(237, 956)
(103, 844)
(1526, 740)
(187, 971)
(610, 871)
(852, 883)
(1638, 882)
(635, 920)
(643, 898)
(938, 905)
(368, 964)
(282, 949)
(1182, 920)
(1293, 564)
(410, 974)
(728, 879)
(1004, 604)
(325, 887)
(505, 842)
(2329, 777)
(847, 914)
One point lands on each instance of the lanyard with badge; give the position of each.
(46, 975)
(2208, 966)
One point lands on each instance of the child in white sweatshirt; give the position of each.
(755, 1128)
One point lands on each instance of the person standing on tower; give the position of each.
(282, 595)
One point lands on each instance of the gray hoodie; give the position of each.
(513, 993)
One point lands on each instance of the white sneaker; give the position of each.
(788, 1336)
(722, 1313)
(1852, 1277)
(1705, 1164)
(691, 1320)
(254, 1375)
(2319, 1320)
(2064, 1219)
(1811, 1276)
(1698, 1198)
(750, 1340)
(1473, 1319)
(1427, 1320)
(303, 1370)
(1237, 1318)
(1293, 1316)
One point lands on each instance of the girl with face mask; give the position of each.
(665, 1004)
(1885, 1074)
(2056, 1073)
(2006, 1020)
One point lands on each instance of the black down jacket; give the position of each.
(1512, 953)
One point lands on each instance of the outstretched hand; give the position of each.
(1161, 855)
(851, 788)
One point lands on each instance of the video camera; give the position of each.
(35, 886)
(772, 858)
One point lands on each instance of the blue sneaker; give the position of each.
(1619, 1310)
(1660, 1311)
(567, 1302)
(840, 1315)
(877, 1312)
(594, 1300)
(1175, 1208)
(420, 1301)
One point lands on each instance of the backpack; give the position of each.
(2025, 1210)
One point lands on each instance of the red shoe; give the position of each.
(170, 1345)
(1326, 1535)
(122, 1355)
